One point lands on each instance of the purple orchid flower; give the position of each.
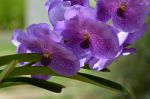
(83, 34)
(127, 15)
(40, 39)
(125, 39)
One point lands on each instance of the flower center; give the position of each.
(85, 44)
(121, 11)
(46, 58)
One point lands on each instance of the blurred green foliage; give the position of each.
(11, 14)
(135, 69)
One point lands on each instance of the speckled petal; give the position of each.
(72, 40)
(64, 62)
(104, 48)
(104, 9)
(136, 35)
(134, 18)
(104, 41)
(71, 36)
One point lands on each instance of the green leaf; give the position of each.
(10, 84)
(104, 82)
(32, 57)
(7, 70)
(101, 82)
(104, 70)
(50, 86)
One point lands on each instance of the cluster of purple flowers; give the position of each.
(83, 35)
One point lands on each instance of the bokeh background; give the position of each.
(132, 71)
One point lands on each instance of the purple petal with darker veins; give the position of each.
(64, 62)
(103, 48)
(130, 20)
(136, 35)
(100, 38)
(104, 9)
(103, 13)
(104, 41)
(72, 40)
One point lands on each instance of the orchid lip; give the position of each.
(85, 44)
(46, 58)
(65, 41)
(121, 11)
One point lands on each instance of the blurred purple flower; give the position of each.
(56, 9)
(83, 34)
(127, 15)
(40, 39)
